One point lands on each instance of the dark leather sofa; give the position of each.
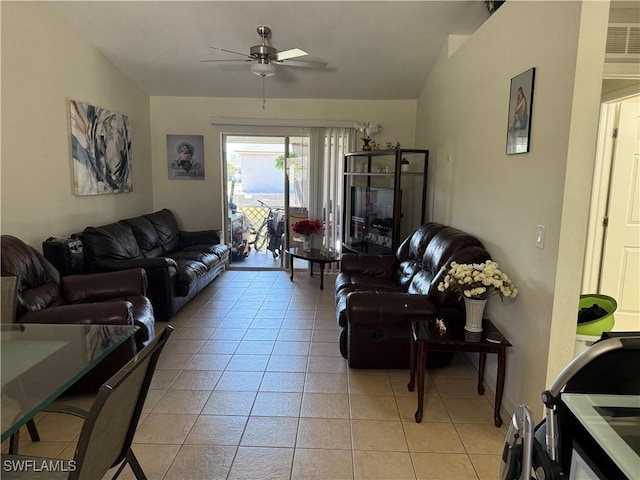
(178, 264)
(107, 299)
(378, 296)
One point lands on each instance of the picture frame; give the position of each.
(101, 152)
(185, 157)
(520, 112)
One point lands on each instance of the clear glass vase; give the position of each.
(306, 243)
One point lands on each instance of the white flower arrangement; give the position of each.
(477, 280)
(367, 128)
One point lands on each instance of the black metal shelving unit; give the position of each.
(375, 171)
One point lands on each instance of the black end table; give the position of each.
(312, 256)
(427, 335)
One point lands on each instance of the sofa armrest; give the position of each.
(98, 287)
(201, 237)
(388, 308)
(117, 312)
(370, 265)
(150, 263)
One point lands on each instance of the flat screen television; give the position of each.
(371, 217)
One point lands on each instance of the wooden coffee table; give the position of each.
(312, 256)
(426, 335)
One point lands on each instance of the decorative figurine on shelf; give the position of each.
(391, 146)
(367, 129)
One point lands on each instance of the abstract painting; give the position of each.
(185, 157)
(100, 149)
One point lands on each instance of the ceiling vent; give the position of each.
(623, 41)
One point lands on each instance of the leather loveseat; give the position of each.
(378, 296)
(116, 298)
(179, 264)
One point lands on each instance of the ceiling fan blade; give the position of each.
(293, 53)
(234, 61)
(302, 63)
(231, 51)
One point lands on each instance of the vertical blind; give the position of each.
(328, 147)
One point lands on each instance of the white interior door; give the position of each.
(621, 257)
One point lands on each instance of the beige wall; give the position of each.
(44, 65)
(198, 204)
(502, 198)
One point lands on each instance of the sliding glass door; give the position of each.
(297, 186)
(267, 189)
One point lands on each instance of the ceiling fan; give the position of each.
(265, 57)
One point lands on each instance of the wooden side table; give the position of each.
(427, 336)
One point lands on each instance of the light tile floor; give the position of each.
(252, 386)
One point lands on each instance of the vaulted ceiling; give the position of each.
(373, 49)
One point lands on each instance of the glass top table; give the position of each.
(614, 423)
(39, 362)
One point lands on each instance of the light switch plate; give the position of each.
(540, 236)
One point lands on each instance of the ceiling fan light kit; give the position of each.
(263, 69)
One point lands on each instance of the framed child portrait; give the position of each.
(185, 157)
(520, 108)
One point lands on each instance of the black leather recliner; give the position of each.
(378, 296)
(116, 298)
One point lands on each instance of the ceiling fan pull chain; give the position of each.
(263, 95)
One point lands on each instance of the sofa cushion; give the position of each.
(219, 250)
(167, 228)
(222, 251)
(411, 252)
(406, 271)
(187, 275)
(39, 281)
(145, 233)
(109, 242)
(209, 260)
(443, 245)
(365, 282)
(447, 246)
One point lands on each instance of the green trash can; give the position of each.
(589, 332)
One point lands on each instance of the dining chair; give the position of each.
(108, 430)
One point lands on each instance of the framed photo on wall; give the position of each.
(520, 108)
(185, 157)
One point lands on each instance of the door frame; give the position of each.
(601, 186)
(285, 138)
